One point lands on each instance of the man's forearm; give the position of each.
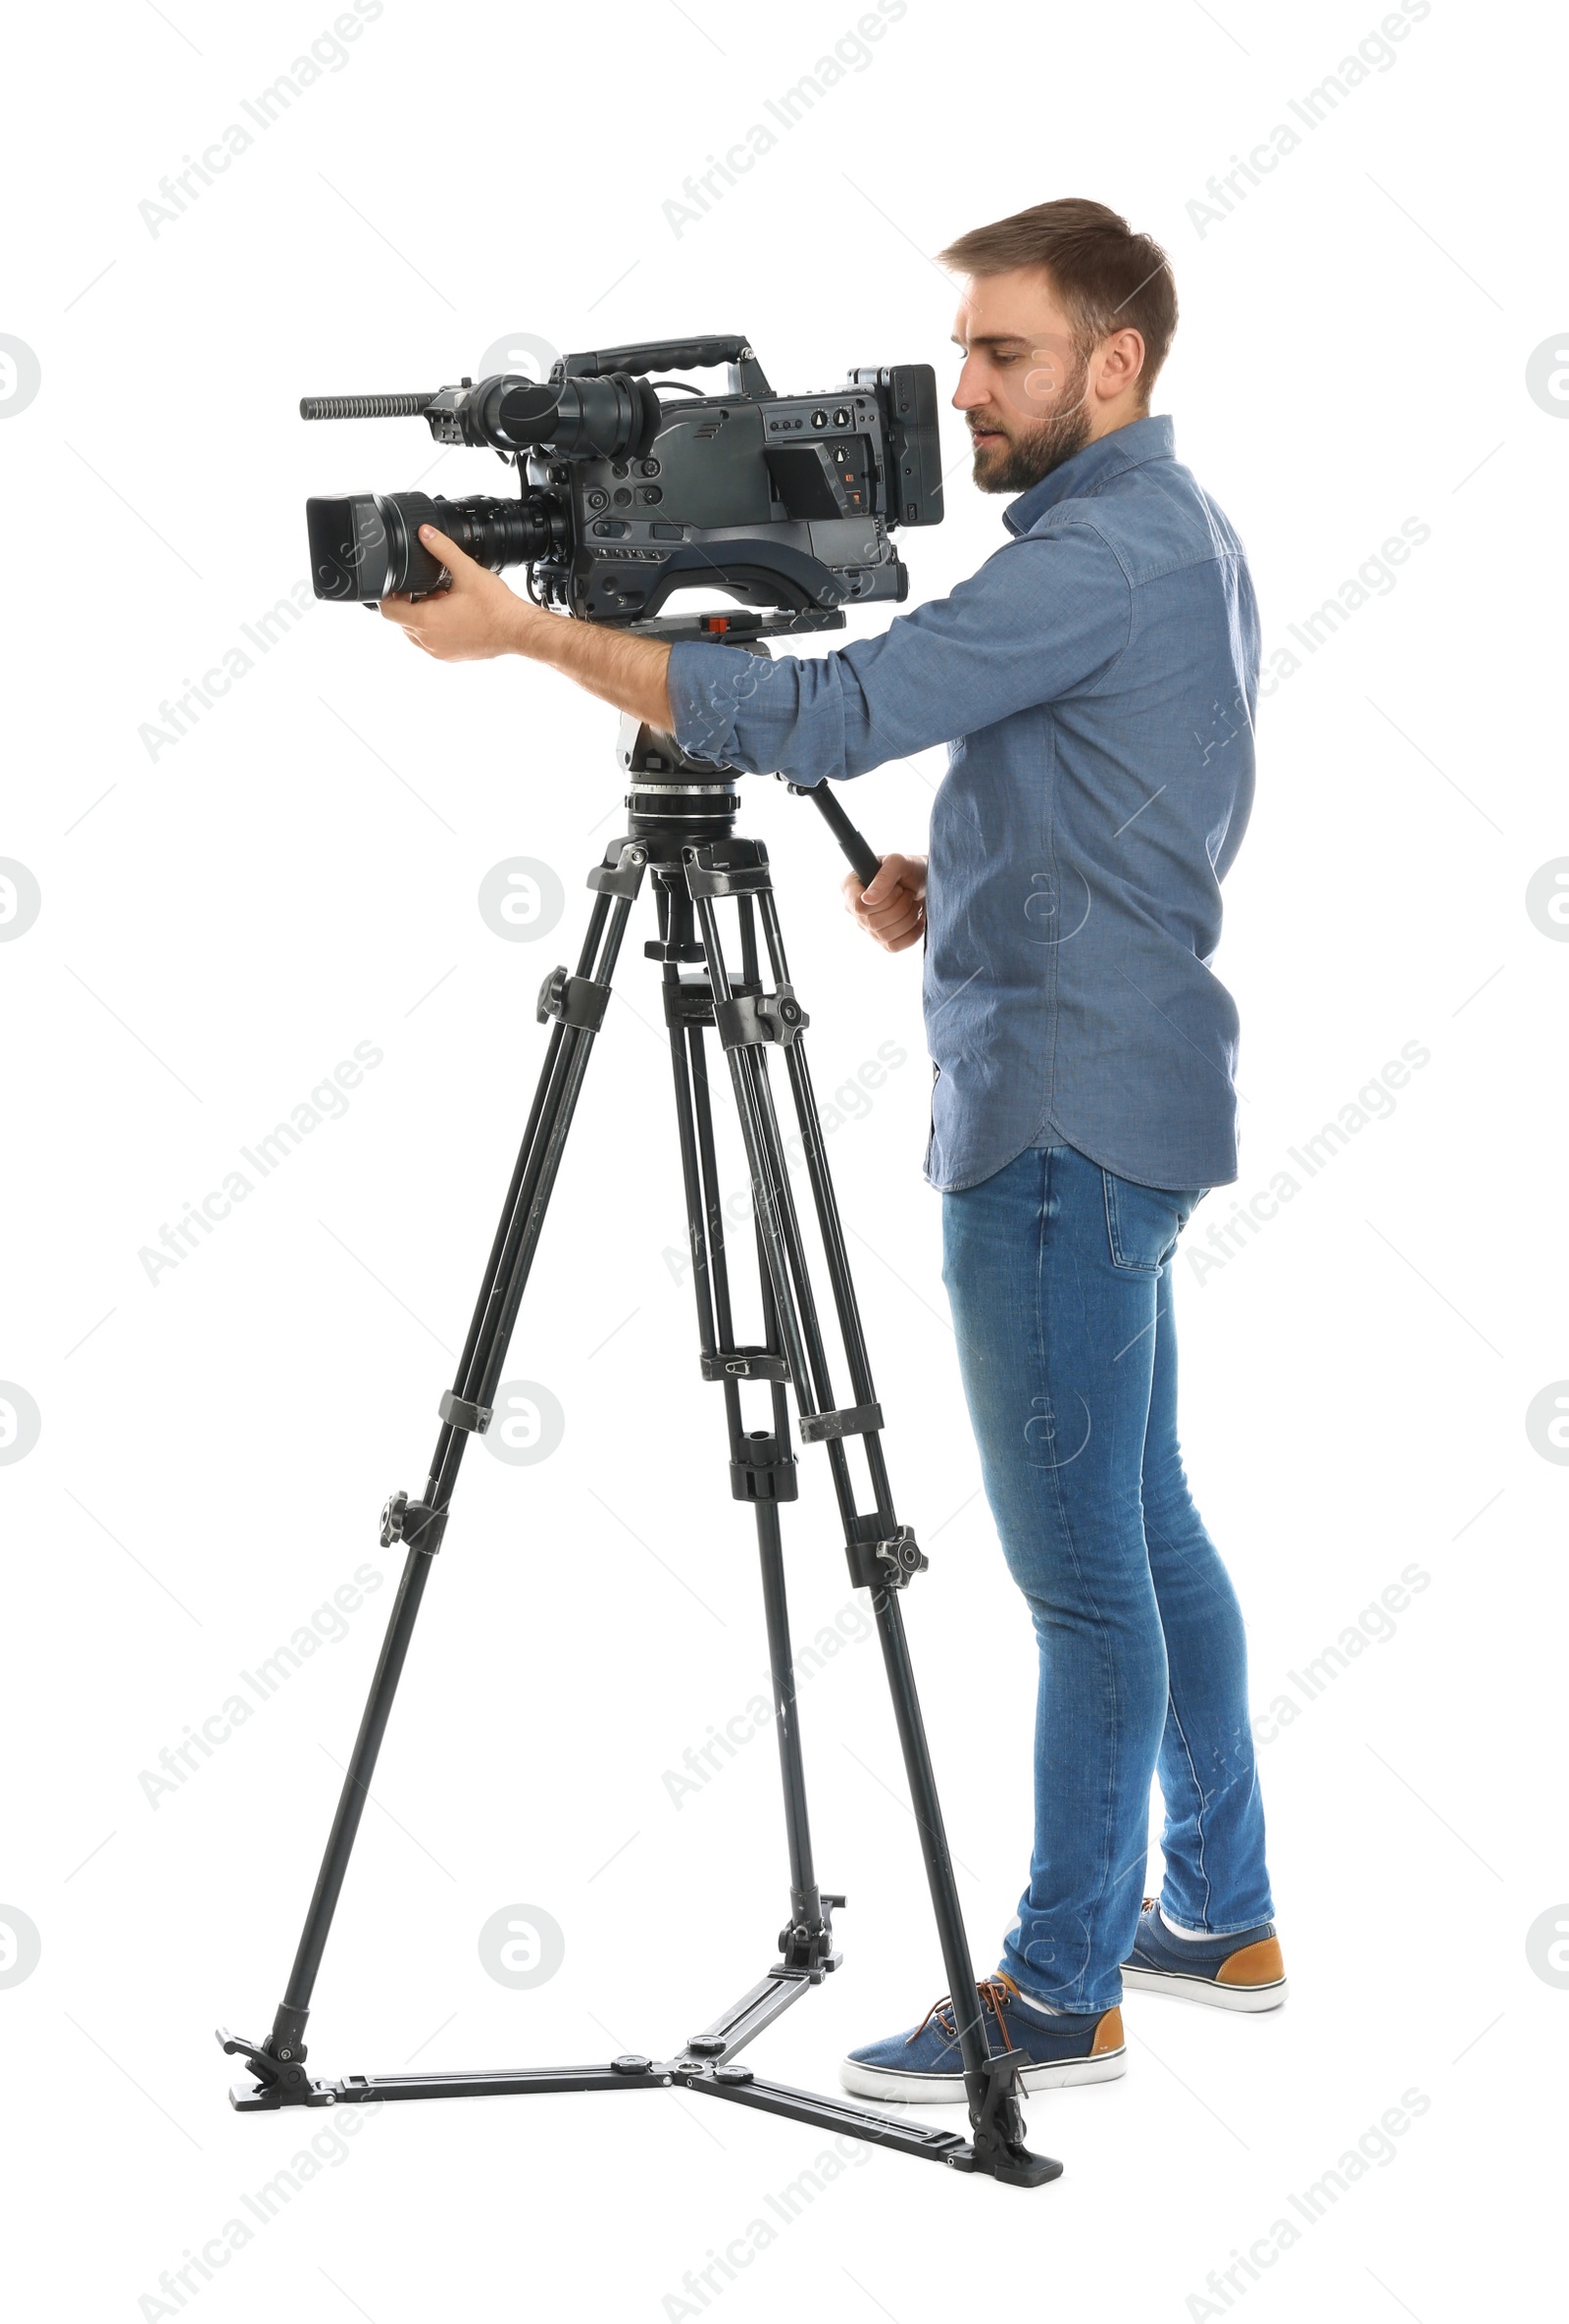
(630, 672)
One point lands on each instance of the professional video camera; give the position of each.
(780, 501)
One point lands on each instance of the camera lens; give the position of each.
(366, 546)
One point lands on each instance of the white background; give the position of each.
(224, 922)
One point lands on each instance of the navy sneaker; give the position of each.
(925, 2068)
(1243, 1971)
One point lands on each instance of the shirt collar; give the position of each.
(1086, 471)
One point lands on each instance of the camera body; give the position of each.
(627, 498)
(785, 501)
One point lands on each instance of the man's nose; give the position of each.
(970, 394)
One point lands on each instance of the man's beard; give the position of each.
(1029, 453)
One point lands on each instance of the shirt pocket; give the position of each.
(1143, 1223)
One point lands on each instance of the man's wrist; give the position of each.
(529, 624)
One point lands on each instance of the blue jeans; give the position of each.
(1058, 1276)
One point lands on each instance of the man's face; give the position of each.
(1024, 388)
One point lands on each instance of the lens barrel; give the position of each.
(366, 546)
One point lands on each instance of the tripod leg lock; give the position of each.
(887, 1563)
(764, 1469)
(463, 1413)
(575, 1001)
(414, 1522)
(748, 1018)
(744, 1363)
(854, 1420)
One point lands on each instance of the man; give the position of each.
(1095, 683)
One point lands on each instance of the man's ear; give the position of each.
(1122, 363)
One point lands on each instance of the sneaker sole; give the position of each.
(1251, 1998)
(947, 2090)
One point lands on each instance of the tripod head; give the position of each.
(677, 797)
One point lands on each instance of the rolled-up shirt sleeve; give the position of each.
(1048, 614)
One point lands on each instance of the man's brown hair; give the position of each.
(1107, 277)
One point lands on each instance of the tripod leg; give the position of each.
(762, 1467)
(886, 1596)
(809, 1936)
(882, 1555)
(577, 1005)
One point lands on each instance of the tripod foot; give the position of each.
(1012, 2164)
(996, 2128)
(280, 2081)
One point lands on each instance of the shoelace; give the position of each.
(996, 1993)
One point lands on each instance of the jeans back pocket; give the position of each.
(1143, 1223)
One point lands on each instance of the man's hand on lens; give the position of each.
(473, 620)
(894, 908)
(478, 618)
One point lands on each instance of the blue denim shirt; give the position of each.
(1095, 685)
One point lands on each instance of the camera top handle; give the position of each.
(674, 355)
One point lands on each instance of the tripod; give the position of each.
(682, 836)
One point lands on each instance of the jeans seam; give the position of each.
(1198, 1789)
(1108, 1657)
